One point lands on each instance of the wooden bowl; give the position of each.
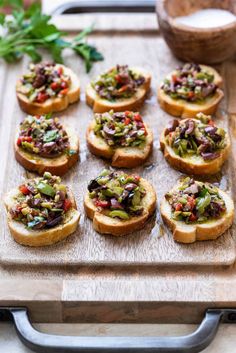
(206, 46)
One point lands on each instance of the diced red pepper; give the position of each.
(67, 205)
(23, 188)
(145, 131)
(178, 206)
(54, 86)
(174, 78)
(18, 208)
(60, 70)
(211, 122)
(191, 94)
(63, 92)
(18, 141)
(118, 78)
(137, 117)
(102, 203)
(123, 88)
(24, 138)
(127, 121)
(42, 97)
(192, 217)
(127, 113)
(136, 178)
(191, 202)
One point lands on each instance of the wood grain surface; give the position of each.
(154, 244)
(124, 293)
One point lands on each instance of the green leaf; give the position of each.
(48, 116)
(50, 136)
(2, 18)
(33, 9)
(52, 37)
(95, 55)
(32, 52)
(83, 34)
(56, 52)
(13, 3)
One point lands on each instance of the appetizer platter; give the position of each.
(127, 95)
(87, 266)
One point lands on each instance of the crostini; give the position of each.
(191, 89)
(41, 212)
(195, 146)
(121, 88)
(119, 203)
(43, 144)
(122, 137)
(197, 211)
(47, 88)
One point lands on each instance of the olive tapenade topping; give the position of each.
(119, 82)
(120, 129)
(116, 194)
(44, 136)
(41, 203)
(196, 137)
(44, 81)
(191, 83)
(195, 202)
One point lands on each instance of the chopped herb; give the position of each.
(29, 30)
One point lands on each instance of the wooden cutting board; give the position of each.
(153, 245)
(136, 293)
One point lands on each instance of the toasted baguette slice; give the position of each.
(101, 105)
(114, 226)
(184, 109)
(195, 165)
(188, 233)
(28, 237)
(57, 165)
(53, 104)
(121, 157)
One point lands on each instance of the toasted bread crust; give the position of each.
(57, 165)
(124, 157)
(187, 233)
(114, 226)
(51, 105)
(100, 105)
(24, 236)
(184, 109)
(194, 166)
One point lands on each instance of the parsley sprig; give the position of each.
(26, 31)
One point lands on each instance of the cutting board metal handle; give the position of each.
(46, 343)
(92, 6)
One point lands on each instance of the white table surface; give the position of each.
(225, 341)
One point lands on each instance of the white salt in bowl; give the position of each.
(209, 45)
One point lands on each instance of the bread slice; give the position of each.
(57, 165)
(184, 109)
(133, 103)
(43, 237)
(189, 233)
(53, 104)
(195, 165)
(117, 227)
(121, 157)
